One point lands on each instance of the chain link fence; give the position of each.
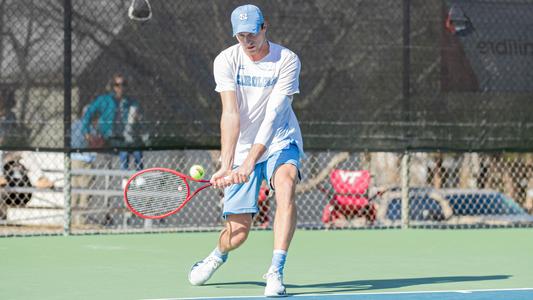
(428, 76)
(338, 190)
(436, 74)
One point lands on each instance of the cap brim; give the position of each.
(254, 29)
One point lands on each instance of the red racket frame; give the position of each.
(185, 178)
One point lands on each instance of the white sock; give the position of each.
(278, 260)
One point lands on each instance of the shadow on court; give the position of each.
(364, 285)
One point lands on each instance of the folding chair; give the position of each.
(348, 198)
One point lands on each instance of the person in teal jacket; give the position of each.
(118, 115)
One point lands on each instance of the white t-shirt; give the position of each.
(255, 82)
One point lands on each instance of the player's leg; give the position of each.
(284, 181)
(240, 203)
(124, 157)
(235, 233)
(138, 159)
(231, 237)
(283, 174)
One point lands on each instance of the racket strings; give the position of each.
(156, 193)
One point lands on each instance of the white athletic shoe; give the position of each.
(203, 270)
(274, 284)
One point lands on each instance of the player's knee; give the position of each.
(284, 189)
(286, 177)
(238, 229)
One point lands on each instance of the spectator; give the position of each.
(17, 169)
(7, 119)
(118, 121)
(11, 133)
(7, 123)
(34, 161)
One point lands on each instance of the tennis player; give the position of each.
(260, 139)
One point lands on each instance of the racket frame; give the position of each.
(185, 178)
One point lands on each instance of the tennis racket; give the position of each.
(156, 193)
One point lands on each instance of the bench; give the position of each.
(47, 206)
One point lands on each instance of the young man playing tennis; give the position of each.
(260, 139)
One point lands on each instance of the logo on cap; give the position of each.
(243, 17)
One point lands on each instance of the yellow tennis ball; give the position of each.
(197, 172)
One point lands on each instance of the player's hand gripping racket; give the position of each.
(158, 192)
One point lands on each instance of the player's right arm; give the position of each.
(229, 133)
(224, 73)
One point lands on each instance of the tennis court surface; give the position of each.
(347, 264)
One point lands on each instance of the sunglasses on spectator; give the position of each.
(120, 84)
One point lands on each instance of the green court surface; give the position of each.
(155, 266)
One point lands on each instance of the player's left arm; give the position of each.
(277, 112)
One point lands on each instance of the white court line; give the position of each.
(355, 294)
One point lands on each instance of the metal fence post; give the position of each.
(405, 189)
(407, 108)
(67, 98)
(67, 194)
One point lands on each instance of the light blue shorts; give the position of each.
(242, 198)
